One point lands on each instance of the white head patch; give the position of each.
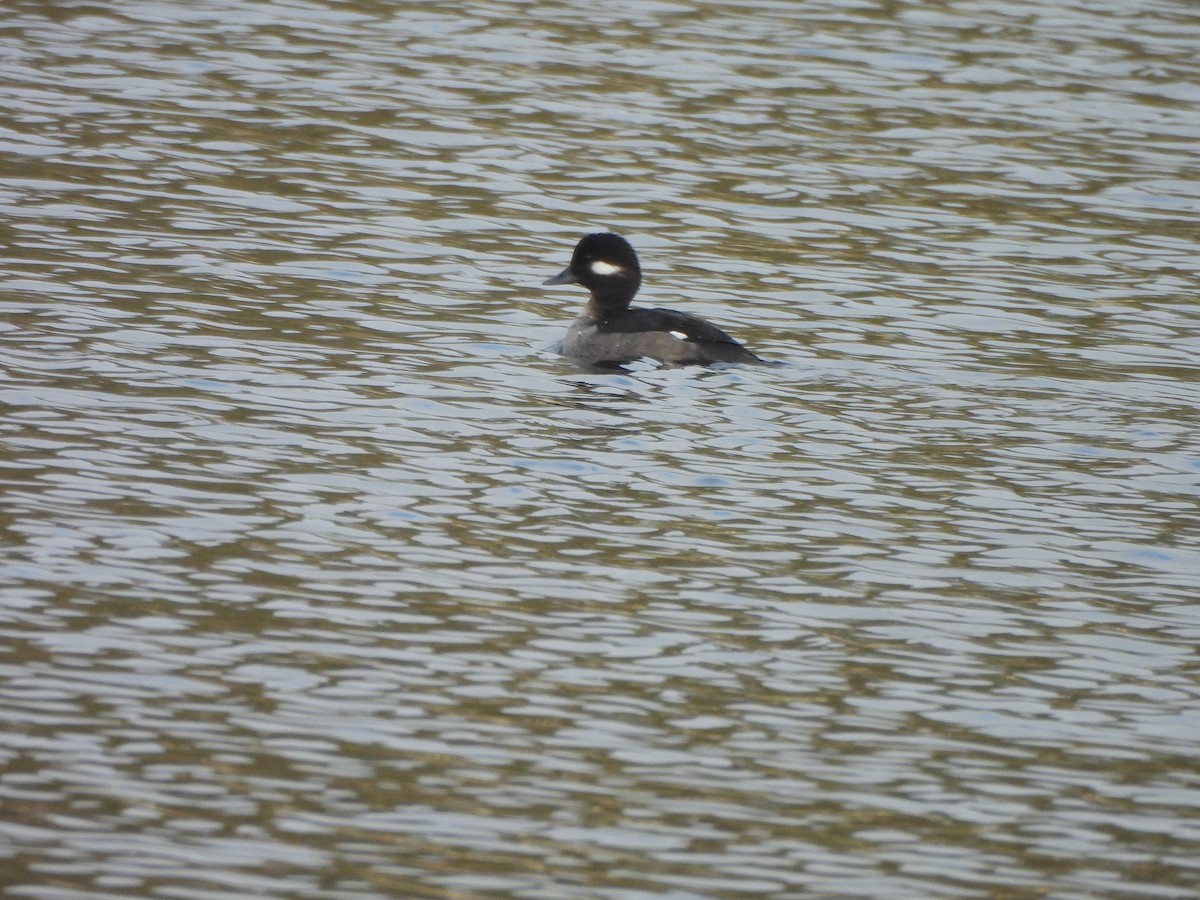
(678, 334)
(600, 267)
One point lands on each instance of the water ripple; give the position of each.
(324, 576)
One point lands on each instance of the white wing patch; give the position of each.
(678, 334)
(600, 267)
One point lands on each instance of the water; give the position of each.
(323, 576)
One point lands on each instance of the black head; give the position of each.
(606, 265)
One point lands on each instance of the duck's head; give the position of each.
(606, 265)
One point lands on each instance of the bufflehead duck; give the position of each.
(611, 332)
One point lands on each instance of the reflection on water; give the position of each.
(324, 577)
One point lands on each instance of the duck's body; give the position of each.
(611, 332)
(662, 334)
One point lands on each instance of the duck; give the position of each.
(612, 332)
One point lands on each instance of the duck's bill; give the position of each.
(563, 277)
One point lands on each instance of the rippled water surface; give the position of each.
(325, 577)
